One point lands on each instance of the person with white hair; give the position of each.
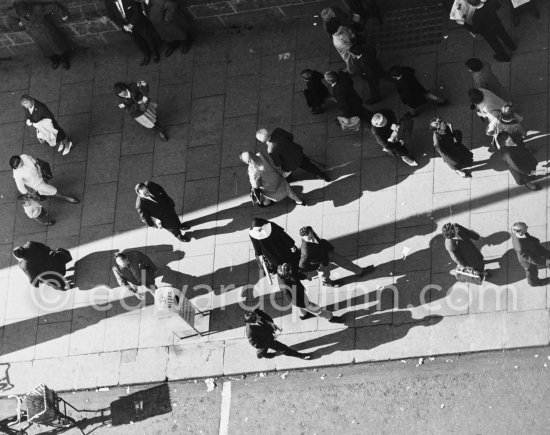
(270, 183)
(393, 136)
(287, 154)
(531, 254)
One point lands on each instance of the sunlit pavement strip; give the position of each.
(225, 408)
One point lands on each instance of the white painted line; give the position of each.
(225, 408)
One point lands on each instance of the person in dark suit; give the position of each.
(366, 57)
(486, 22)
(272, 244)
(43, 265)
(35, 19)
(156, 209)
(132, 269)
(459, 245)
(316, 254)
(531, 254)
(260, 330)
(410, 90)
(36, 111)
(287, 154)
(520, 162)
(346, 98)
(316, 93)
(448, 144)
(391, 135)
(129, 17)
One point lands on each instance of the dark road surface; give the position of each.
(490, 393)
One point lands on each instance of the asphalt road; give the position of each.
(490, 393)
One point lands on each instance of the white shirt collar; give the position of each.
(261, 233)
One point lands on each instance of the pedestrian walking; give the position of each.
(484, 78)
(364, 10)
(519, 7)
(28, 175)
(410, 90)
(287, 154)
(486, 104)
(128, 16)
(347, 99)
(520, 162)
(48, 130)
(34, 210)
(272, 245)
(316, 93)
(291, 286)
(343, 39)
(268, 184)
(508, 121)
(42, 264)
(448, 144)
(156, 209)
(316, 254)
(133, 269)
(260, 330)
(134, 99)
(170, 22)
(393, 136)
(35, 20)
(531, 254)
(486, 23)
(372, 71)
(336, 15)
(459, 245)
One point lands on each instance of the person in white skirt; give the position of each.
(133, 98)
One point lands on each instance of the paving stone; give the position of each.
(75, 98)
(274, 106)
(174, 104)
(527, 328)
(52, 340)
(108, 72)
(207, 120)
(7, 216)
(19, 340)
(209, 79)
(177, 69)
(44, 85)
(82, 69)
(242, 96)
(494, 231)
(99, 202)
(171, 157)
(192, 360)
(489, 193)
(449, 297)
(106, 117)
(239, 134)
(239, 357)
(114, 340)
(243, 65)
(203, 162)
(10, 108)
(87, 331)
(277, 71)
(414, 200)
(78, 133)
(10, 142)
(103, 158)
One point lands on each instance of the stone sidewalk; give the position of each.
(376, 211)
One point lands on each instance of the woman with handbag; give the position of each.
(459, 245)
(448, 144)
(31, 176)
(133, 98)
(263, 176)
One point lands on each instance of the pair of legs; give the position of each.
(177, 232)
(277, 346)
(532, 273)
(339, 260)
(308, 166)
(289, 192)
(148, 43)
(522, 179)
(160, 130)
(494, 39)
(45, 189)
(315, 102)
(60, 59)
(430, 96)
(64, 145)
(173, 45)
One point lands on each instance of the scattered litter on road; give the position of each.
(545, 365)
(449, 360)
(127, 390)
(442, 405)
(548, 357)
(174, 405)
(403, 361)
(284, 56)
(131, 422)
(431, 358)
(402, 409)
(246, 419)
(323, 377)
(405, 252)
(243, 376)
(316, 369)
(340, 375)
(210, 385)
(352, 421)
(516, 367)
(420, 361)
(195, 381)
(251, 50)
(408, 388)
(284, 375)
(536, 356)
(403, 203)
(262, 375)
(104, 389)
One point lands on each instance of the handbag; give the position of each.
(467, 274)
(349, 124)
(45, 169)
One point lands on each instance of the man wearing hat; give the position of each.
(531, 254)
(346, 97)
(508, 121)
(287, 154)
(391, 135)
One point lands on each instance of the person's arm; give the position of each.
(465, 232)
(119, 278)
(113, 13)
(147, 262)
(455, 255)
(304, 260)
(532, 258)
(144, 215)
(19, 182)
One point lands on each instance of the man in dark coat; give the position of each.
(346, 98)
(133, 269)
(156, 209)
(486, 22)
(287, 154)
(170, 22)
(448, 144)
(459, 245)
(391, 135)
(43, 265)
(36, 111)
(317, 254)
(272, 244)
(316, 93)
(36, 21)
(259, 331)
(128, 16)
(520, 162)
(371, 69)
(410, 90)
(531, 254)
